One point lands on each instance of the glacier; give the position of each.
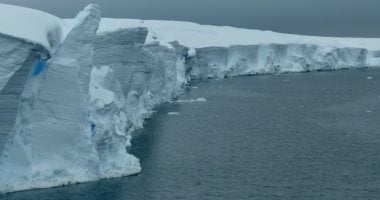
(73, 90)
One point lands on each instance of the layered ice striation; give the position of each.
(219, 62)
(17, 61)
(51, 143)
(68, 106)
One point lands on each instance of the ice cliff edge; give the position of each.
(67, 107)
(51, 142)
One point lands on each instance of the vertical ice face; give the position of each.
(165, 61)
(17, 58)
(218, 62)
(130, 63)
(129, 79)
(182, 53)
(51, 143)
(210, 62)
(70, 117)
(119, 56)
(13, 53)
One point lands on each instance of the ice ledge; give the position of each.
(32, 25)
(63, 138)
(38, 27)
(49, 31)
(195, 35)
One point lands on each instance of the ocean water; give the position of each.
(295, 136)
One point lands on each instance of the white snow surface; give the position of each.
(197, 36)
(107, 88)
(98, 94)
(48, 30)
(32, 25)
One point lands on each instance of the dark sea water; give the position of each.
(295, 137)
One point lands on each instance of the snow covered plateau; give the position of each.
(73, 90)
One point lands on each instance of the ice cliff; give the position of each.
(73, 91)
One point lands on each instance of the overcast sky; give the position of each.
(315, 17)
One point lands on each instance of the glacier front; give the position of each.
(72, 91)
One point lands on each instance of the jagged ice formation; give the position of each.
(72, 91)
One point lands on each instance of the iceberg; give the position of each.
(73, 90)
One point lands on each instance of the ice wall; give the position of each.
(117, 55)
(17, 59)
(136, 78)
(219, 62)
(70, 118)
(51, 143)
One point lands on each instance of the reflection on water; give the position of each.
(296, 136)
